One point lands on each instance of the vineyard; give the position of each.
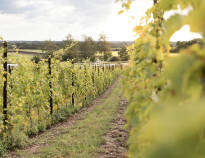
(38, 95)
(165, 93)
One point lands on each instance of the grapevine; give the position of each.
(30, 89)
(166, 94)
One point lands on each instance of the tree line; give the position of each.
(180, 45)
(77, 51)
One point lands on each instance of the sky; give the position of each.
(54, 19)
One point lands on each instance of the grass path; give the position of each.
(79, 137)
(115, 145)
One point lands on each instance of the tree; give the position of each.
(124, 56)
(88, 48)
(68, 41)
(114, 58)
(104, 47)
(49, 47)
(36, 59)
(180, 45)
(71, 49)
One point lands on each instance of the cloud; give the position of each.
(45, 19)
(32, 8)
(72, 16)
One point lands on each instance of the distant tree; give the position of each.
(68, 41)
(88, 48)
(71, 49)
(114, 58)
(103, 47)
(123, 54)
(49, 47)
(185, 44)
(36, 59)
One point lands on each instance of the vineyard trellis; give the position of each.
(5, 76)
(37, 95)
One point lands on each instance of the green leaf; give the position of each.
(120, 12)
(172, 25)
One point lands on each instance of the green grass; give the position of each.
(84, 139)
(13, 57)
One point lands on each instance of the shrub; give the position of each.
(114, 58)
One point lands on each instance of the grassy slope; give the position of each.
(84, 139)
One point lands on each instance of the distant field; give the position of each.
(114, 53)
(27, 52)
(31, 50)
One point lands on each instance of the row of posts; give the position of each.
(5, 76)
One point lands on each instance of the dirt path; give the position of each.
(115, 145)
(41, 140)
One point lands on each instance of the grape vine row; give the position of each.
(166, 113)
(41, 94)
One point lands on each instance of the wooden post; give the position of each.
(5, 77)
(93, 76)
(9, 69)
(85, 84)
(98, 71)
(95, 67)
(73, 84)
(50, 85)
(103, 67)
